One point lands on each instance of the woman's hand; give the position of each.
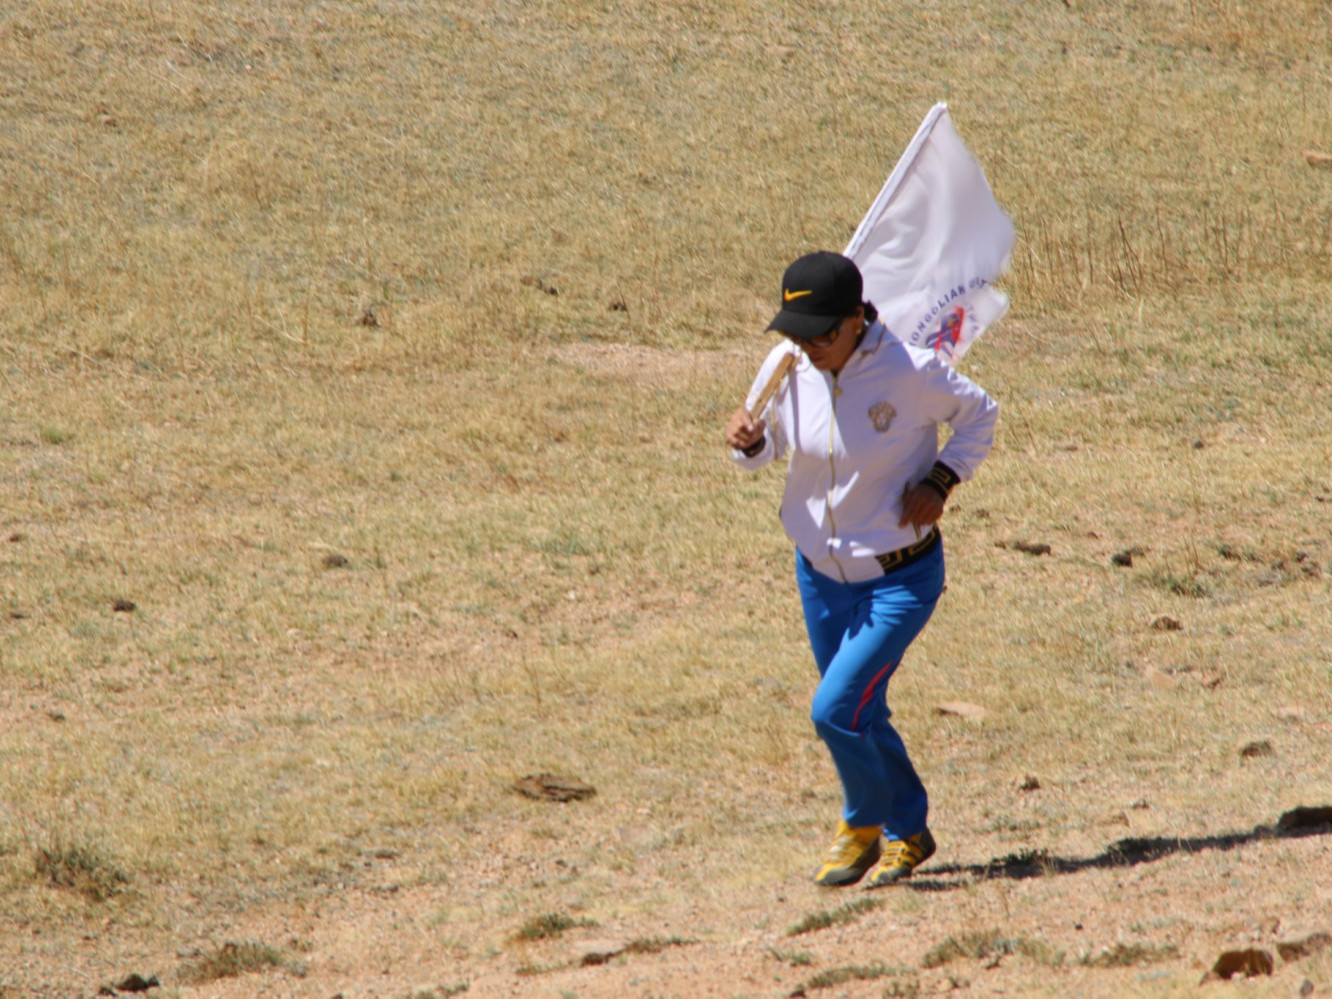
(922, 506)
(743, 431)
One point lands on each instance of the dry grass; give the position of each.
(850, 912)
(851, 973)
(232, 960)
(549, 925)
(993, 945)
(377, 355)
(81, 868)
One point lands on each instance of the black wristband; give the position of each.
(941, 479)
(754, 448)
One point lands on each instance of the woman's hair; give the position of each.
(871, 313)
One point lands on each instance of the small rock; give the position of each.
(367, 317)
(1122, 558)
(961, 709)
(123, 606)
(1306, 988)
(137, 983)
(618, 306)
(1140, 804)
(1029, 783)
(1256, 748)
(554, 788)
(16, 537)
(1303, 820)
(1249, 963)
(1297, 949)
(335, 560)
(1031, 547)
(1167, 623)
(600, 951)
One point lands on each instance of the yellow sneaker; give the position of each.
(853, 852)
(901, 858)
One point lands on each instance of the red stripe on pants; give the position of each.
(869, 692)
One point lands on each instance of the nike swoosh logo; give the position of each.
(791, 296)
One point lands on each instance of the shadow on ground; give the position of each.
(1298, 822)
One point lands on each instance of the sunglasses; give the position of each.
(818, 342)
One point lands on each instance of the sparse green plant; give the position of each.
(850, 973)
(550, 925)
(1182, 584)
(529, 970)
(82, 868)
(655, 945)
(796, 959)
(843, 914)
(980, 945)
(1123, 955)
(231, 960)
(441, 991)
(1233, 553)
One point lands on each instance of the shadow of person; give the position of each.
(1298, 822)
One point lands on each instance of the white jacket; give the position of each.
(859, 439)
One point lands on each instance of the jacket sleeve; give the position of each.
(774, 437)
(970, 412)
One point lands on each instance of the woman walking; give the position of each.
(866, 484)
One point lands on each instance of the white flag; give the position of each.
(933, 242)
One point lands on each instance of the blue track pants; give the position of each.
(859, 632)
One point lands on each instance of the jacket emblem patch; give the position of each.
(881, 414)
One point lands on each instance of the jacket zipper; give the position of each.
(832, 483)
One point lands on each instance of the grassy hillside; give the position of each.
(365, 369)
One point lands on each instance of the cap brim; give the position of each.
(802, 325)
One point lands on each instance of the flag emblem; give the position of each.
(950, 332)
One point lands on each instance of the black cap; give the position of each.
(818, 291)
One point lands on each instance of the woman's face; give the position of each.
(831, 352)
